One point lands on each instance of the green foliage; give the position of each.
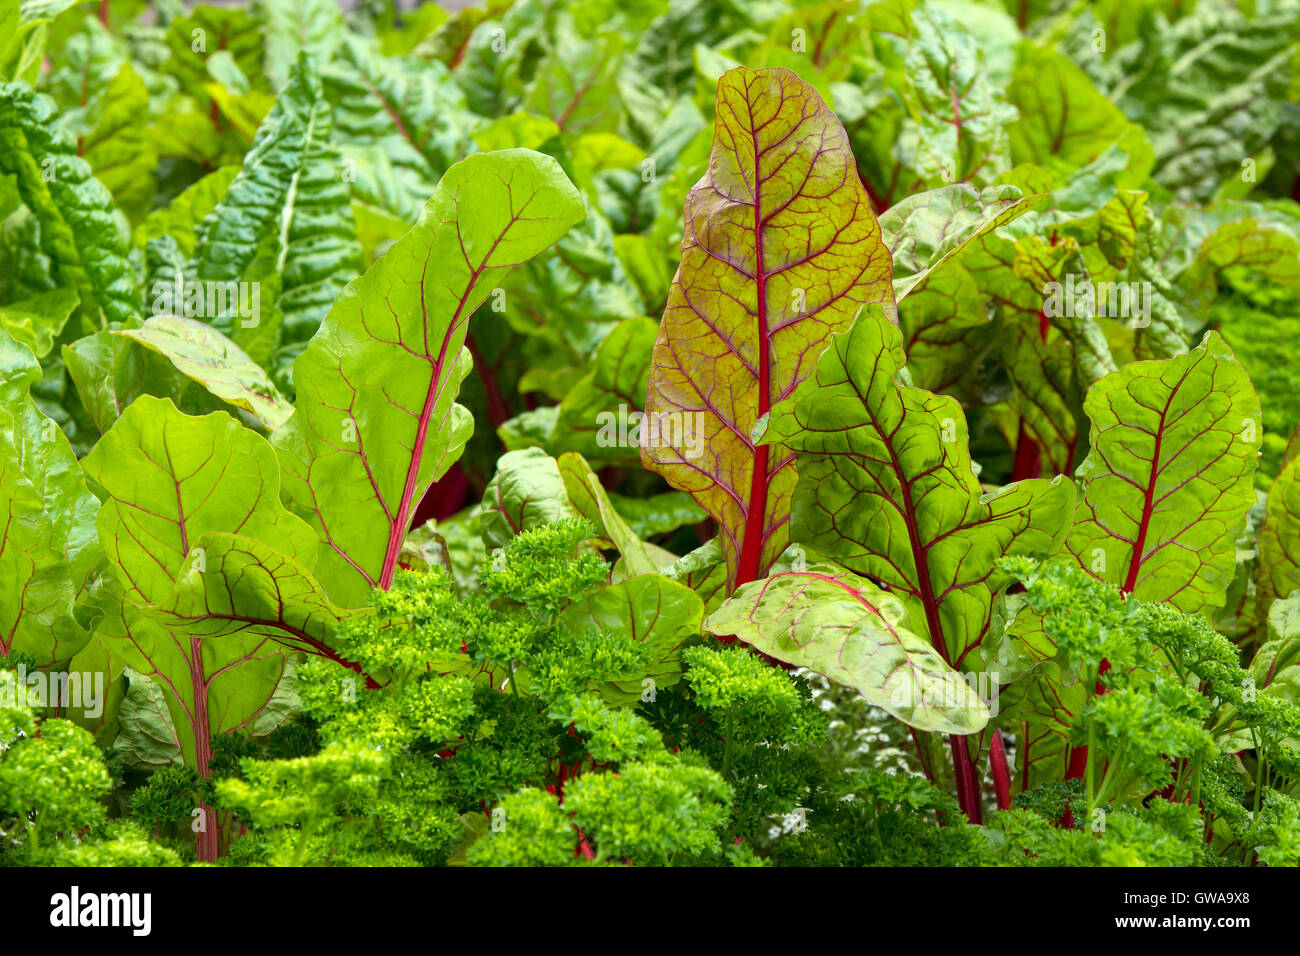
(669, 433)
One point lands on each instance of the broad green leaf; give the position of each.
(79, 228)
(1279, 537)
(1169, 478)
(1036, 355)
(1236, 235)
(110, 373)
(887, 489)
(946, 330)
(236, 585)
(169, 478)
(209, 358)
(780, 251)
(849, 630)
(376, 421)
(1040, 708)
(119, 147)
(518, 130)
(576, 85)
(648, 608)
(1063, 117)
(37, 322)
(48, 549)
(210, 687)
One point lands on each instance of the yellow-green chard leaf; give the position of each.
(780, 251)
(845, 627)
(376, 421)
(205, 355)
(927, 229)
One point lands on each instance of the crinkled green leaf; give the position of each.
(398, 122)
(958, 124)
(289, 194)
(296, 26)
(185, 214)
(887, 489)
(80, 229)
(1209, 88)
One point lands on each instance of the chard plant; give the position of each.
(558, 434)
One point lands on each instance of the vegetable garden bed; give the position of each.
(658, 434)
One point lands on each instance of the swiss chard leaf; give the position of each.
(780, 251)
(79, 227)
(1169, 478)
(48, 548)
(169, 478)
(376, 421)
(845, 627)
(205, 355)
(887, 490)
